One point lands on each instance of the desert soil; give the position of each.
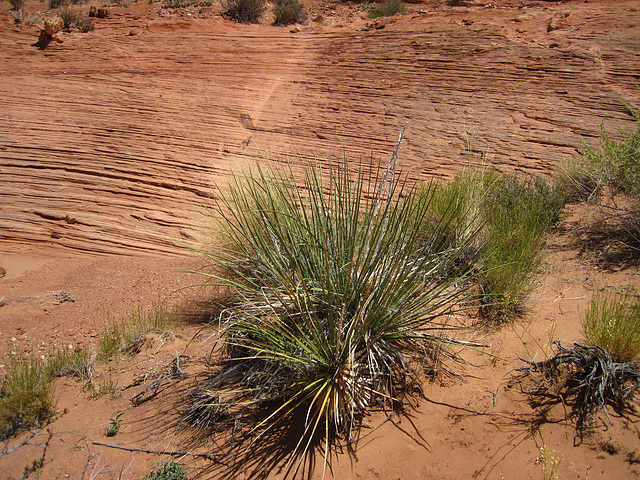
(111, 142)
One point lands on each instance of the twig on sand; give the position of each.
(209, 456)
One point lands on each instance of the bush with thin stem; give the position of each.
(338, 299)
(613, 165)
(26, 397)
(503, 219)
(613, 322)
(286, 12)
(244, 11)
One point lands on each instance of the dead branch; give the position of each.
(208, 456)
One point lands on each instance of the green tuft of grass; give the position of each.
(26, 397)
(339, 300)
(613, 323)
(129, 336)
(502, 218)
(613, 165)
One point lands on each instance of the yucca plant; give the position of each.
(338, 299)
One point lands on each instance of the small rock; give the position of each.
(70, 220)
(55, 235)
(557, 21)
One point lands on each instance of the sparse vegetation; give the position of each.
(502, 218)
(613, 322)
(338, 299)
(588, 378)
(549, 461)
(286, 12)
(69, 17)
(86, 25)
(389, 8)
(615, 166)
(114, 424)
(129, 336)
(168, 471)
(244, 11)
(608, 177)
(72, 363)
(185, 3)
(26, 397)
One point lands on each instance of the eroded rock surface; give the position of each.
(111, 143)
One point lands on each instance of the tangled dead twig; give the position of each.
(174, 371)
(590, 376)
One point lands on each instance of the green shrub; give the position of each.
(168, 471)
(503, 218)
(613, 323)
(244, 11)
(69, 17)
(388, 8)
(338, 300)
(86, 25)
(26, 397)
(615, 165)
(287, 12)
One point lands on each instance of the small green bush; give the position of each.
(613, 323)
(26, 397)
(503, 218)
(69, 17)
(86, 25)
(58, 3)
(286, 12)
(168, 471)
(615, 165)
(388, 8)
(244, 11)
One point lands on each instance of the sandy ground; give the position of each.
(112, 140)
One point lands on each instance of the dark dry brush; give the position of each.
(587, 378)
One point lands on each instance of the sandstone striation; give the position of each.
(111, 142)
